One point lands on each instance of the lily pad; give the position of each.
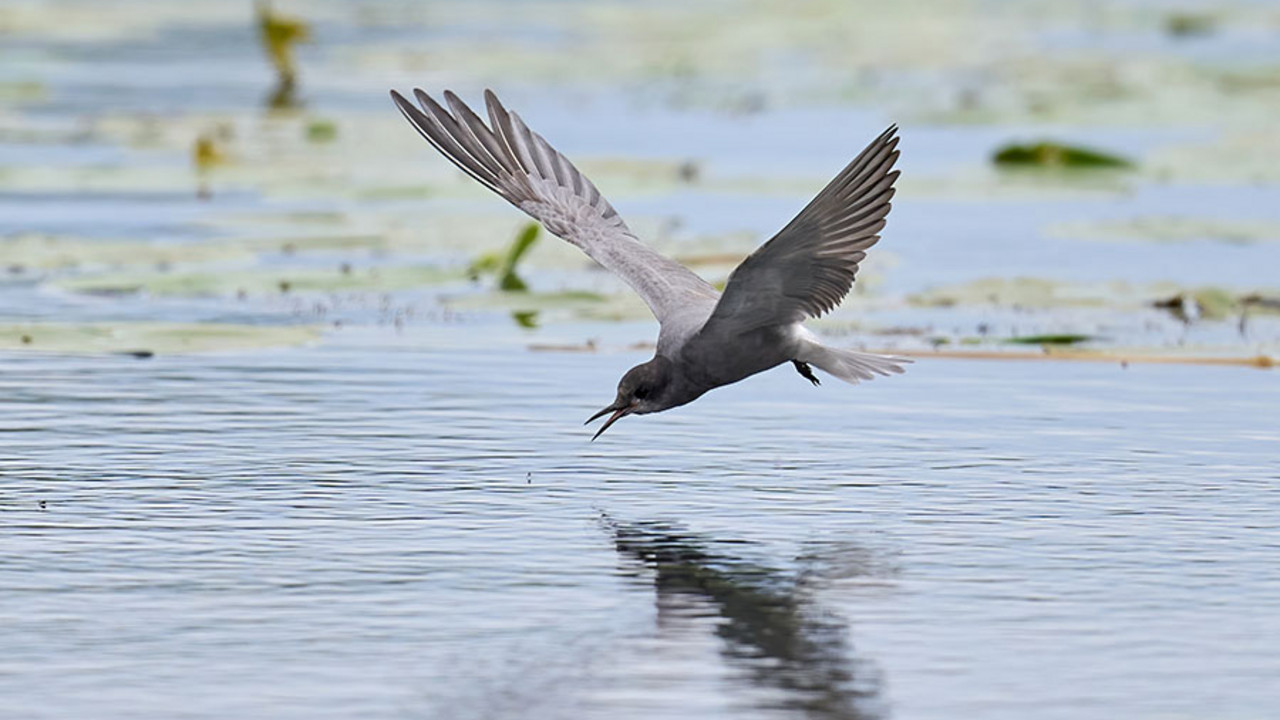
(258, 281)
(43, 252)
(1018, 292)
(145, 339)
(536, 300)
(1057, 156)
(1200, 304)
(1189, 24)
(321, 131)
(22, 91)
(540, 307)
(1051, 339)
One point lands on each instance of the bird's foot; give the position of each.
(806, 372)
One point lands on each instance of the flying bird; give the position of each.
(707, 338)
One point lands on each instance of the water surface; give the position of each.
(392, 528)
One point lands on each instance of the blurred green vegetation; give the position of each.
(1057, 155)
(279, 34)
(505, 265)
(1051, 339)
(144, 339)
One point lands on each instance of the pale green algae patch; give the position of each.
(143, 339)
(1027, 292)
(259, 281)
(44, 252)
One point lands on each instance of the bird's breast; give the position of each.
(710, 360)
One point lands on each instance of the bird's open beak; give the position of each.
(618, 409)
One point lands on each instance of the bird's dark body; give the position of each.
(709, 361)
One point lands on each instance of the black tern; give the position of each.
(707, 338)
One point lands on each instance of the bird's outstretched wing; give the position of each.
(808, 268)
(516, 163)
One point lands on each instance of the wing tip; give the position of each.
(492, 102)
(399, 100)
(889, 138)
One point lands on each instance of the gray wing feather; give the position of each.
(809, 266)
(522, 167)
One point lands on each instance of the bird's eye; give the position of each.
(641, 393)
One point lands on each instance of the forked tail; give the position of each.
(849, 365)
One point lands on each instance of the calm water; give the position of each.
(384, 528)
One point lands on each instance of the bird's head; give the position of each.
(642, 390)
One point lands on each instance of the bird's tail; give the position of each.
(849, 365)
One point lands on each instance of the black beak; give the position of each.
(618, 409)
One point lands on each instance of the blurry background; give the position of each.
(289, 407)
(1096, 174)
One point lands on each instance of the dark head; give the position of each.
(642, 390)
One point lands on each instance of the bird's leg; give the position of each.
(805, 371)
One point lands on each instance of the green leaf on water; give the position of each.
(1189, 25)
(1052, 339)
(147, 339)
(33, 252)
(321, 131)
(1057, 155)
(258, 281)
(525, 318)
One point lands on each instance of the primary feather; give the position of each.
(519, 165)
(809, 266)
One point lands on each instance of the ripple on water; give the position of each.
(351, 529)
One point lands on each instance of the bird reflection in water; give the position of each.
(769, 625)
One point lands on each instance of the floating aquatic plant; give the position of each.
(1200, 304)
(1189, 25)
(22, 91)
(1025, 292)
(1050, 339)
(207, 152)
(527, 319)
(279, 34)
(1057, 155)
(146, 339)
(321, 131)
(42, 253)
(257, 281)
(505, 265)
(1261, 302)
